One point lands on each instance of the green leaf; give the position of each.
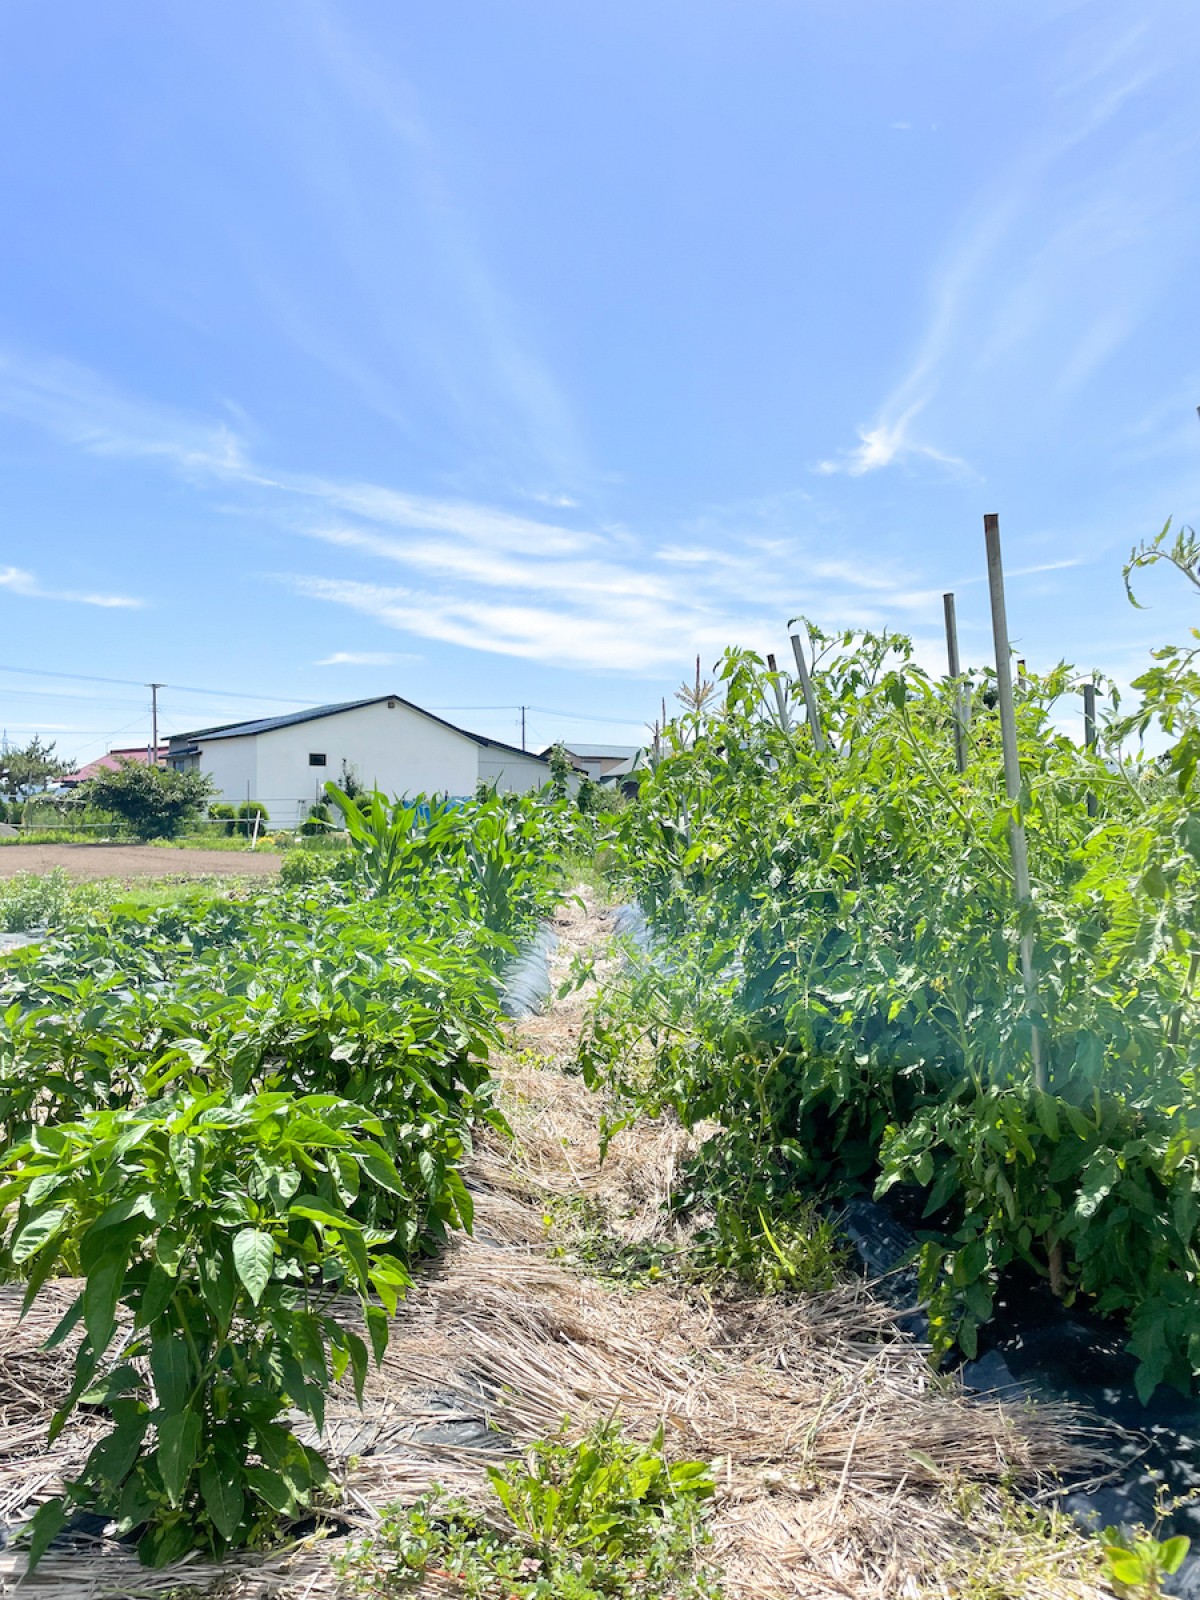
(377, 1328)
(48, 1520)
(381, 1170)
(36, 1232)
(358, 1364)
(171, 1366)
(271, 1488)
(178, 1446)
(1099, 1178)
(101, 1295)
(312, 1207)
(253, 1259)
(221, 1489)
(112, 1460)
(156, 1296)
(1172, 1551)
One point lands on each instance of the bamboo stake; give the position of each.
(960, 720)
(785, 722)
(810, 697)
(1018, 844)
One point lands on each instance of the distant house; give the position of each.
(110, 763)
(602, 761)
(386, 742)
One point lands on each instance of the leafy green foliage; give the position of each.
(222, 1117)
(152, 802)
(1138, 1563)
(27, 768)
(33, 900)
(504, 853)
(843, 996)
(213, 1233)
(318, 820)
(600, 1517)
(252, 818)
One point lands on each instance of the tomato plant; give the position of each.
(837, 982)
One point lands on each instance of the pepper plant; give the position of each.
(214, 1235)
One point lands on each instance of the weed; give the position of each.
(602, 1517)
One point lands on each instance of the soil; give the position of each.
(88, 861)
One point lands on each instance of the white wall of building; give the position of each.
(390, 747)
(232, 764)
(511, 771)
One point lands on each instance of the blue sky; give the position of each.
(513, 351)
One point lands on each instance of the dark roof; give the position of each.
(601, 752)
(241, 730)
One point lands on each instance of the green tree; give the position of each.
(153, 802)
(25, 770)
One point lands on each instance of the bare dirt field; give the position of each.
(88, 861)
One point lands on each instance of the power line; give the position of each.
(134, 683)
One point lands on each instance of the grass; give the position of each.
(218, 839)
(58, 836)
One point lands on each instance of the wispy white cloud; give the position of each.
(365, 658)
(477, 343)
(1048, 274)
(75, 404)
(486, 578)
(883, 445)
(16, 580)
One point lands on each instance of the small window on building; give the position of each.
(391, 705)
(316, 758)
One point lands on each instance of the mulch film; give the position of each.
(844, 1466)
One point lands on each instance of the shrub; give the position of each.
(152, 802)
(224, 813)
(318, 820)
(247, 812)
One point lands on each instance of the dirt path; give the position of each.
(844, 1468)
(90, 861)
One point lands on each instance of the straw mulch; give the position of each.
(844, 1467)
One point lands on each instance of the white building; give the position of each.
(605, 762)
(387, 743)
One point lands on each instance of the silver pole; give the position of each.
(1089, 734)
(810, 697)
(960, 720)
(785, 722)
(1012, 770)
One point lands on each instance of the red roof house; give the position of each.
(111, 762)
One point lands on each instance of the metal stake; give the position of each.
(1089, 735)
(810, 698)
(785, 722)
(1012, 773)
(960, 719)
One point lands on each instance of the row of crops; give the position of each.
(836, 982)
(231, 1121)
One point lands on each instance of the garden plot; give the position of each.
(842, 1466)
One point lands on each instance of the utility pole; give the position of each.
(523, 709)
(154, 688)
